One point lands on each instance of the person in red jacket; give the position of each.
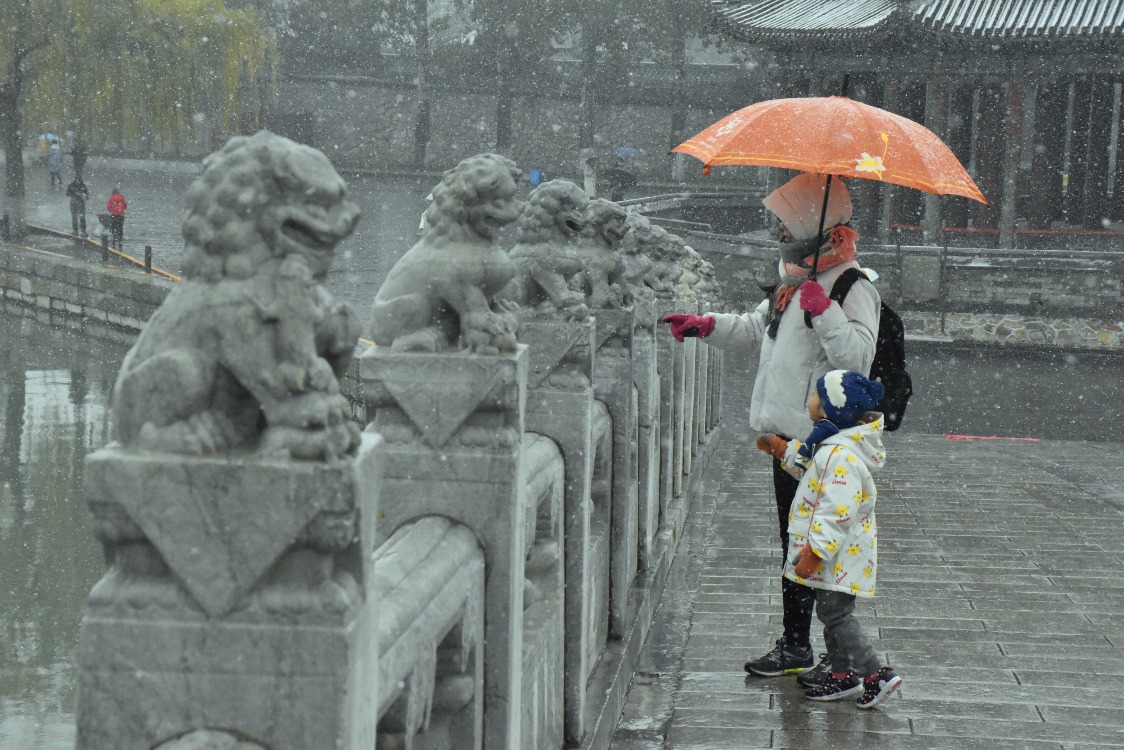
(116, 206)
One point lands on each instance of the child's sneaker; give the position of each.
(878, 687)
(783, 659)
(833, 688)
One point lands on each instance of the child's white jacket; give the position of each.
(834, 511)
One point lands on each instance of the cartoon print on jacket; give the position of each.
(834, 511)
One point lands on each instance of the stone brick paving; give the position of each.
(1001, 603)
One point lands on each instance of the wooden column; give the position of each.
(1116, 202)
(1012, 151)
(891, 102)
(936, 119)
(1049, 147)
(1078, 150)
(959, 138)
(989, 148)
(1096, 166)
(866, 88)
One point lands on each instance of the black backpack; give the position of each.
(888, 366)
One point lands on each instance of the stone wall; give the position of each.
(364, 125)
(49, 282)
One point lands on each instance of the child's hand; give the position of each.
(772, 444)
(807, 563)
(793, 461)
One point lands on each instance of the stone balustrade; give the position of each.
(478, 567)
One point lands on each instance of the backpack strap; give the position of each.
(840, 289)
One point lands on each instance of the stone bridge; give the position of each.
(478, 568)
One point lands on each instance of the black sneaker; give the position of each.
(878, 687)
(817, 674)
(781, 660)
(834, 688)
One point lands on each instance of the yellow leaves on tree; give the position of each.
(120, 70)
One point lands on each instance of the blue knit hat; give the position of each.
(847, 395)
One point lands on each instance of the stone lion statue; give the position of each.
(441, 294)
(246, 352)
(547, 254)
(601, 279)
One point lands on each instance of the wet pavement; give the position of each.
(1000, 603)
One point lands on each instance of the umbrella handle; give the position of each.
(819, 234)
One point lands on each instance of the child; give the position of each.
(833, 533)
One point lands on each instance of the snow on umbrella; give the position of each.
(833, 135)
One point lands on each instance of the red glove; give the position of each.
(813, 299)
(685, 324)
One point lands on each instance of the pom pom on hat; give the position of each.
(847, 395)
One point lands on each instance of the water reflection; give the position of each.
(53, 405)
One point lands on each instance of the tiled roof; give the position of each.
(1023, 18)
(766, 20)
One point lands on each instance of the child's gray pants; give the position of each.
(847, 645)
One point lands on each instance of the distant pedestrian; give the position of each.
(78, 195)
(833, 533)
(54, 163)
(78, 153)
(116, 206)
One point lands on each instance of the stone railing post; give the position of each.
(453, 425)
(237, 508)
(670, 356)
(613, 384)
(682, 407)
(237, 597)
(646, 377)
(560, 406)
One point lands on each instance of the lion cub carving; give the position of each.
(441, 294)
(246, 352)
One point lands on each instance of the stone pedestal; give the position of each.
(684, 376)
(613, 384)
(669, 352)
(453, 426)
(236, 598)
(646, 377)
(560, 406)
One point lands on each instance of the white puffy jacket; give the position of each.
(833, 511)
(842, 338)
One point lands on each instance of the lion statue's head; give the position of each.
(263, 198)
(555, 210)
(473, 201)
(607, 221)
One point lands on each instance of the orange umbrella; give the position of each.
(833, 135)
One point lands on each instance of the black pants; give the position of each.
(78, 220)
(116, 231)
(797, 601)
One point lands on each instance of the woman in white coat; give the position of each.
(800, 335)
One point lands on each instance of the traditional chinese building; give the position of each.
(1027, 93)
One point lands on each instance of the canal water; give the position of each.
(53, 403)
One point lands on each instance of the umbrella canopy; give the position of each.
(834, 135)
(627, 152)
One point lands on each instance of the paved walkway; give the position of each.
(1001, 603)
